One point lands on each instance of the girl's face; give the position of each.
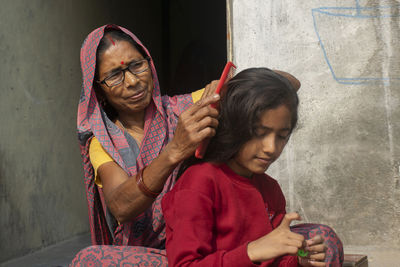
(135, 92)
(257, 154)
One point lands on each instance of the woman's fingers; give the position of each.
(204, 112)
(206, 122)
(203, 103)
(210, 89)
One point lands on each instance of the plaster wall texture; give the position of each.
(42, 197)
(341, 166)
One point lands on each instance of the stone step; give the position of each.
(355, 260)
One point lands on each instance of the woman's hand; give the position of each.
(210, 88)
(194, 125)
(279, 242)
(316, 252)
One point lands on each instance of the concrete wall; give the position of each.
(42, 199)
(341, 166)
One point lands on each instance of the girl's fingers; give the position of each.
(288, 218)
(296, 236)
(294, 243)
(317, 256)
(308, 262)
(317, 248)
(318, 239)
(317, 263)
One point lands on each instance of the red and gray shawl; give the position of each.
(161, 117)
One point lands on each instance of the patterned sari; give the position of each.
(140, 242)
(161, 118)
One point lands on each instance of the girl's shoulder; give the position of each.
(200, 177)
(268, 185)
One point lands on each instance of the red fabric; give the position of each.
(212, 213)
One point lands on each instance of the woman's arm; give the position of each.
(122, 195)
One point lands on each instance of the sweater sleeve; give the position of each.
(287, 261)
(190, 235)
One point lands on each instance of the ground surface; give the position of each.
(61, 255)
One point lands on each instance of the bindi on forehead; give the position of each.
(122, 62)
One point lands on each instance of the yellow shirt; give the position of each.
(98, 155)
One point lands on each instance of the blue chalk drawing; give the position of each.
(362, 14)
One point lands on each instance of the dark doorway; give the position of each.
(187, 39)
(194, 44)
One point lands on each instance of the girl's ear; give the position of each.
(293, 80)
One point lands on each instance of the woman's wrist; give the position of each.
(173, 156)
(143, 188)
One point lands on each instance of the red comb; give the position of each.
(227, 73)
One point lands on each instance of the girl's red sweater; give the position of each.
(212, 213)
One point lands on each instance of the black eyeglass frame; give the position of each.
(127, 69)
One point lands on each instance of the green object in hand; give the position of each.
(302, 253)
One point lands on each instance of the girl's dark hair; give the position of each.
(246, 96)
(112, 35)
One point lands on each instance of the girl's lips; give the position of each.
(264, 160)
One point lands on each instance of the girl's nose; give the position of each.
(130, 79)
(269, 144)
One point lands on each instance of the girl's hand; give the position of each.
(194, 125)
(316, 249)
(279, 242)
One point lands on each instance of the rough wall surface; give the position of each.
(42, 198)
(341, 166)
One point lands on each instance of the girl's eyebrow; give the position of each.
(270, 129)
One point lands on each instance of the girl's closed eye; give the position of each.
(284, 136)
(262, 131)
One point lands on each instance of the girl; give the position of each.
(225, 211)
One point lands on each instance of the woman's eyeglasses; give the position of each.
(135, 67)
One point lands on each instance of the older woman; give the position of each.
(132, 141)
(132, 138)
